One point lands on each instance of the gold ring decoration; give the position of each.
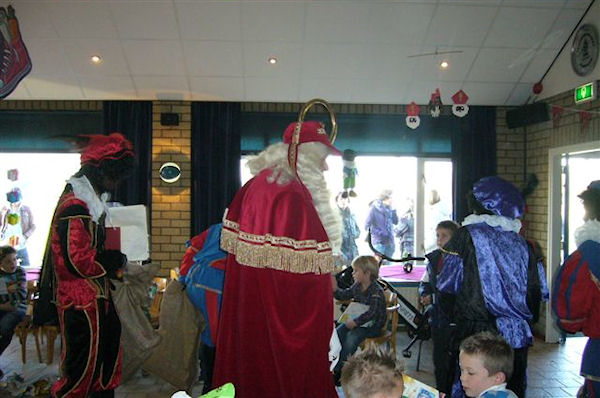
(306, 107)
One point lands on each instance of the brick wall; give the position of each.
(171, 214)
(41, 105)
(539, 139)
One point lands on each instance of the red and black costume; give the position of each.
(78, 270)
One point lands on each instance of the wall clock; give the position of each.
(584, 50)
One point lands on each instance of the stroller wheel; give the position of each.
(406, 354)
(408, 267)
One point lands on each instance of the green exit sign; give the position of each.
(587, 92)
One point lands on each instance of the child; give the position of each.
(367, 291)
(372, 374)
(486, 363)
(443, 366)
(13, 296)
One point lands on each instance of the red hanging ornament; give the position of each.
(412, 119)
(460, 107)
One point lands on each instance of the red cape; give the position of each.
(277, 309)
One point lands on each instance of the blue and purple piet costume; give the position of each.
(490, 277)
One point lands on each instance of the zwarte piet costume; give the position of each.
(491, 270)
(90, 327)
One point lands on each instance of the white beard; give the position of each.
(310, 158)
(311, 155)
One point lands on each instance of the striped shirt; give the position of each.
(19, 297)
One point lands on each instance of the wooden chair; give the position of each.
(26, 326)
(390, 327)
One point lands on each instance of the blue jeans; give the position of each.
(23, 255)
(351, 339)
(8, 323)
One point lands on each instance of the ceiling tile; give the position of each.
(348, 62)
(534, 3)
(155, 20)
(538, 66)
(213, 58)
(459, 64)
(500, 65)
(521, 27)
(387, 61)
(209, 20)
(271, 89)
(48, 57)
(562, 28)
(153, 57)
(217, 89)
(108, 87)
(34, 22)
(337, 22)
(79, 52)
(333, 90)
(404, 23)
(272, 21)
(256, 55)
(81, 19)
(162, 87)
(455, 25)
(519, 95)
(488, 93)
(49, 87)
(377, 91)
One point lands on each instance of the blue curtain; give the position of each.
(133, 119)
(474, 154)
(215, 160)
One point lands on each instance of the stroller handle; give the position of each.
(394, 260)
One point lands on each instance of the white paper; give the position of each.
(132, 221)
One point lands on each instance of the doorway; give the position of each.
(571, 169)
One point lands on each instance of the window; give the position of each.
(400, 175)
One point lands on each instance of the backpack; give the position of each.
(204, 282)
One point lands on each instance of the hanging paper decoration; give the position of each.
(12, 174)
(412, 119)
(15, 63)
(557, 112)
(460, 107)
(585, 117)
(435, 103)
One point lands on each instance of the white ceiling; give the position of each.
(345, 51)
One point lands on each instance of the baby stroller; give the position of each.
(417, 322)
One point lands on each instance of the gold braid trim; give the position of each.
(299, 257)
(448, 252)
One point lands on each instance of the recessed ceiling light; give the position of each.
(96, 59)
(444, 64)
(272, 60)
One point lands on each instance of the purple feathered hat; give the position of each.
(499, 196)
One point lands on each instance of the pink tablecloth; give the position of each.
(396, 273)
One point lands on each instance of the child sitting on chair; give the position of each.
(486, 363)
(372, 374)
(365, 290)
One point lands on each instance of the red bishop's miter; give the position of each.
(412, 119)
(460, 107)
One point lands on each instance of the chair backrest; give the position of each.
(391, 303)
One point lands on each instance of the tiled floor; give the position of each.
(553, 369)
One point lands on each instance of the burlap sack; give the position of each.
(138, 337)
(175, 359)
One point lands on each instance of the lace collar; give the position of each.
(83, 190)
(588, 231)
(505, 223)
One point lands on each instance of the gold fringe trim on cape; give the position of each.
(279, 253)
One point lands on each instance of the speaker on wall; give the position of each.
(169, 119)
(527, 114)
